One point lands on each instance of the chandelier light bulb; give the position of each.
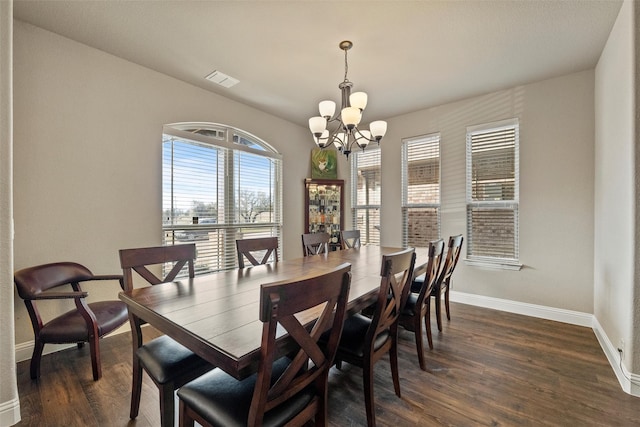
(340, 140)
(323, 141)
(351, 116)
(317, 125)
(378, 129)
(358, 100)
(327, 109)
(364, 138)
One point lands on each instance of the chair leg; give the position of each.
(186, 420)
(136, 388)
(438, 309)
(427, 323)
(393, 358)
(167, 402)
(367, 376)
(446, 302)
(35, 359)
(94, 349)
(322, 414)
(417, 330)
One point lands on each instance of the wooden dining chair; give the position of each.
(247, 248)
(315, 243)
(367, 339)
(88, 322)
(349, 239)
(417, 308)
(443, 284)
(286, 390)
(168, 363)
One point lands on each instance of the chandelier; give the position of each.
(345, 122)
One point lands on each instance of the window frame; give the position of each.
(223, 138)
(406, 205)
(480, 260)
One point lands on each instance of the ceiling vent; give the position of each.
(222, 79)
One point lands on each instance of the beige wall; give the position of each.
(616, 195)
(87, 140)
(556, 187)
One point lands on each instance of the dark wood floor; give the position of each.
(488, 368)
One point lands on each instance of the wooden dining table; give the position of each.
(216, 315)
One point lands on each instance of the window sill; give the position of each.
(494, 264)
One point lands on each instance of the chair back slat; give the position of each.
(350, 239)
(431, 270)
(315, 243)
(248, 248)
(451, 260)
(139, 259)
(279, 304)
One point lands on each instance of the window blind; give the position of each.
(492, 191)
(421, 190)
(365, 194)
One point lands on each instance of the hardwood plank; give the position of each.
(487, 368)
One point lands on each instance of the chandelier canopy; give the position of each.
(345, 122)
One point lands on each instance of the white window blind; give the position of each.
(219, 185)
(420, 190)
(365, 194)
(492, 192)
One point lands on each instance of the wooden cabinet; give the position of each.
(323, 212)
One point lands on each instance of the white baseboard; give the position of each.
(10, 412)
(629, 382)
(540, 311)
(25, 350)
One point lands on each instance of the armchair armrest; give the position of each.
(60, 295)
(117, 277)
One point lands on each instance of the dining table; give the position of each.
(216, 315)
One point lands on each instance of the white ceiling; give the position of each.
(408, 55)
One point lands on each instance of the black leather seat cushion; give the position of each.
(166, 359)
(71, 326)
(222, 400)
(353, 336)
(410, 306)
(416, 285)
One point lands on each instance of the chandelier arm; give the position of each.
(362, 136)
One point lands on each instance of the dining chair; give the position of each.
(443, 284)
(315, 243)
(417, 308)
(349, 239)
(168, 363)
(87, 322)
(367, 339)
(247, 248)
(285, 390)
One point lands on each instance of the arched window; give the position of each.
(219, 184)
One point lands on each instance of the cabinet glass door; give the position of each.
(323, 210)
